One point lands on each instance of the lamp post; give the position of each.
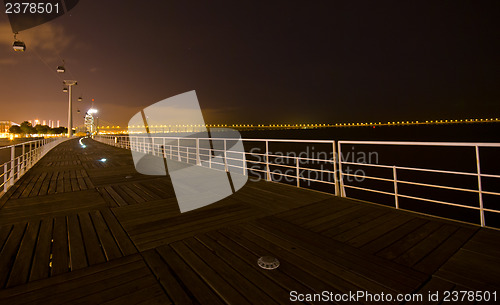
(70, 84)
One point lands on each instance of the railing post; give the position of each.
(268, 173)
(23, 159)
(18, 168)
(394, 174)
(12, 164)
(335, 179)
(225, 156)
(179, 149)
(341, 178)
(210, 156)
(164, 149)
(198, 151)
(480, 188)
(5, 178)
(244, 156)
(30, 157)
(297, 171)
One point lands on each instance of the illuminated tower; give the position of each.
(89, 121)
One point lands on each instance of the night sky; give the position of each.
(261, 62)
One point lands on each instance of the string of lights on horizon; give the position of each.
(156, 128)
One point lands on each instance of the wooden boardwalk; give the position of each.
(75, 230)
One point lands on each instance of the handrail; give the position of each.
(296, 166)
(194, 154)
(31, 152)
(396, 181)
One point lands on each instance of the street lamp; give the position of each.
(70, 84)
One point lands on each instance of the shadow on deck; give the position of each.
(77, 230)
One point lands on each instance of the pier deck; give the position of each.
(80, 231)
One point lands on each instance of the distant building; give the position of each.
(5, 126)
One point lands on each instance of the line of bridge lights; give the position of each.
(314, 125)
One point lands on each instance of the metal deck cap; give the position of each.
(268, 262)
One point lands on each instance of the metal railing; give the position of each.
(23, 156)
(296, 167)
(398, 182)
(260, 162)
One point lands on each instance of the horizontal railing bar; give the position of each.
(411, 168)
(458, 144)
(369, 190)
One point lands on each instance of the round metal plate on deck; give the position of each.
(268, 262)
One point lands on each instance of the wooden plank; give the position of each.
(324, 220)
(27, 190)
(197, 287)
(245, 287)
(60, 182)
(352, 221)
(345, 254)
(472, 269)
(4, 233)
(77, 256)
(45, 185)
(131, 192)
(41, 259)
(166, 278)
(108, 244)
(53, 183)
(167, 233)
(89, 274)
(74, 181)
(38, 185)
(370, 225)
(117, 198)
(381, 229)
(149, 295)
(439, 256)
(311, 216)
(483, 240)
(426, 246)
(81, 182)
(298, 271)
(87, 179)
(109, 200)
(9, 251)
(435, 284)
(404, 244)
(393, 236)
(215, 280)
(125, 285)
(145, 192)
(250, 271)
(120, 190)
(71, 291)
(18, 188)
(342, 278)
(92, 245)
(278, 277)
(60, 255)
(67, 181)
(22, 264)
(122, 239)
